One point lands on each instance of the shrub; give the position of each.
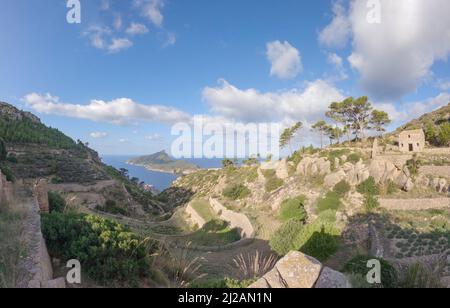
(227, 163)
(12, 159)
(236, 192)
(56, 180)
(293, 208)
(7, 172)
(112, 208)
(273, 184)
(320, 244)
(331, 201)
(371, 203)
(368, 187)
(414, 165)
(354, 158)
(342, 188)
(56, 202)
(358, 266)
(284, 239)
(107, 251)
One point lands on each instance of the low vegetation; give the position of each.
(358, 266)
(109, 252)
(320, 239)
(331, 201)
(293, 209)
(214, 233)
(12, 249)
(236, 192)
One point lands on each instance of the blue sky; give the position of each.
(152, 63)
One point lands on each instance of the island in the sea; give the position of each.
(162, 162)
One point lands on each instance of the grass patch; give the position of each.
(12, 249)
(203, 209)
(331, 201)
(320, 239)
(215, 233)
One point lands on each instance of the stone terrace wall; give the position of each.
(236, 220)
(435, 171)
(414, 204)
(195, 218)
(6, 189)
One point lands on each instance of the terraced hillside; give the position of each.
(30, 150)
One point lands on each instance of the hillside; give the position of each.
(162, 162)
(31, 151)
(436, 126)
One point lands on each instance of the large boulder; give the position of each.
(330, 279)
(332, 179)
(297, 270)
(324, 166)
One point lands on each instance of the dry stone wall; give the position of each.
(236, 220)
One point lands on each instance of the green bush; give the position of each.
(331, 201)
(236, 192)
(368, 187)
(293, 209)
(56, 180)
(358, 266)
(371, 203)
(284, 239)
(12, 159)
(109, 252)
(354, 158)
(342, 188)
(273, 184)
(56, 202)
(7, 173)
(112, 208)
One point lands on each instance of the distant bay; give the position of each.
(159, 180)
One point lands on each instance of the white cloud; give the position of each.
(171, 39)
(250, 105)
(338, 64)
(123, 140)
(285, 60)
(412, 110)
(98, 135)
(337, 33)
(136, 28)
(118, 22)
(119, 44)
(154, 137)
(118, 111)
(444, 85)
(152, 10)
(100, 38)
(395, 56)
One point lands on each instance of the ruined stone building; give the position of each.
(411, 141)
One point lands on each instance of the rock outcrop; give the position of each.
(299, 271)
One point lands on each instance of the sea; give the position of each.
(158, 180)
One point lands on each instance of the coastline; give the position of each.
(166, 171)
